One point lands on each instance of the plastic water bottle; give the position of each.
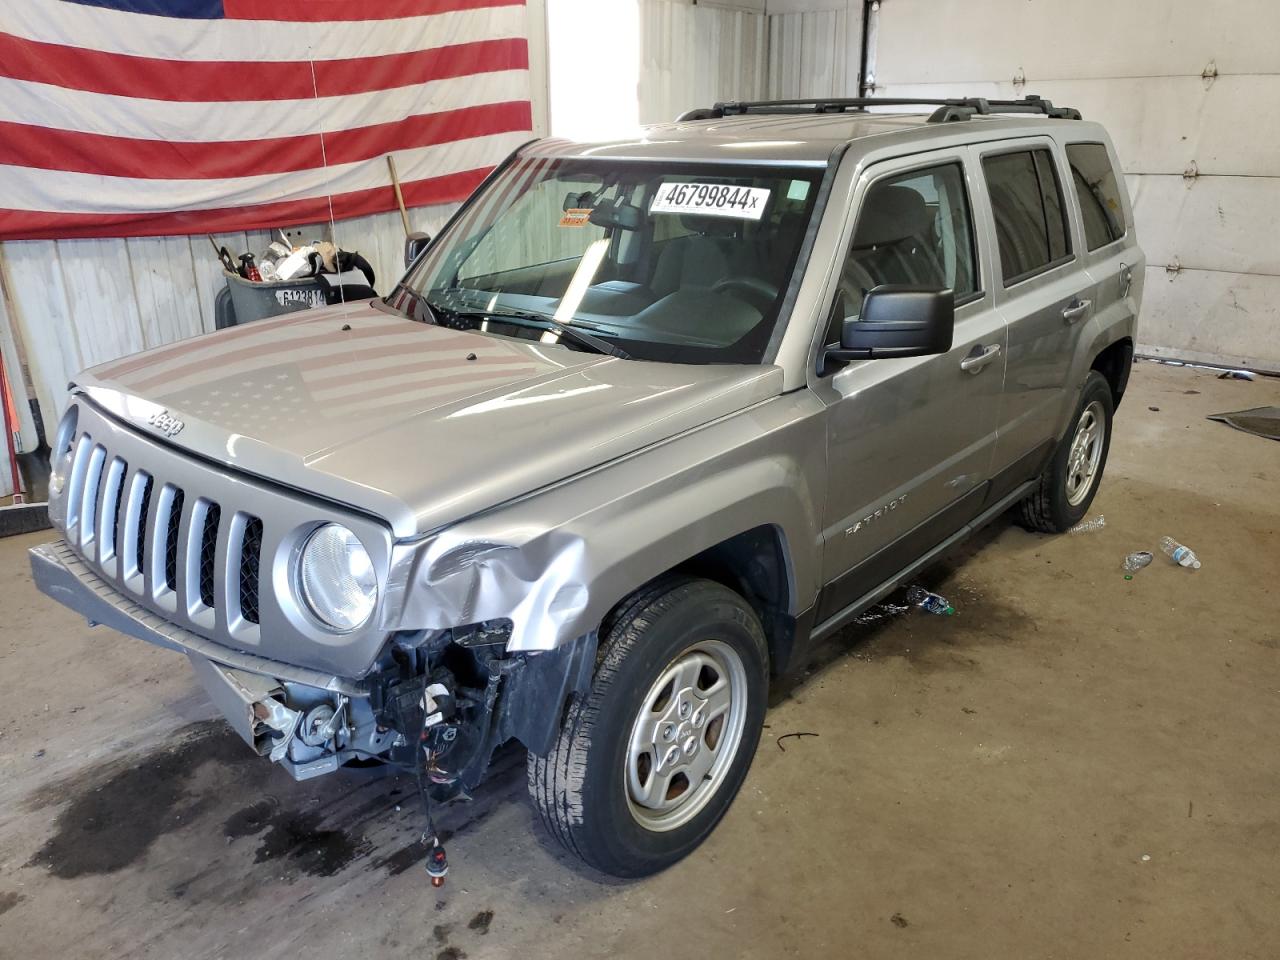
(922, 598)
(1178, 553)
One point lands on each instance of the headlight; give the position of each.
(63, 451)
(336, 578)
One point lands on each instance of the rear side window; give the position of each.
(1099, 193)
(1026, 199)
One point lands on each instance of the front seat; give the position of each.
(697, 261)
(894, 243)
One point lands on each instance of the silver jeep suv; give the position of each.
(643, 422)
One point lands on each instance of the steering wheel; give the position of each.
(759, 293)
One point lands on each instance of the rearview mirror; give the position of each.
(619, 216)
(898, 321)
(414, 244)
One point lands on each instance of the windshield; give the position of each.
(686, 263)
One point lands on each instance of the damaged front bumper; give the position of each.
(312, 722)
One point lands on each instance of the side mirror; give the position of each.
(414, 244)
(898, 321)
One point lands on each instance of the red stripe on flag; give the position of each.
(336, 10)
(226, 81)
(27, 145)
(53, 225)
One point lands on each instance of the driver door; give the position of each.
(909, 440)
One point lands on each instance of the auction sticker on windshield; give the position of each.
(711, 200)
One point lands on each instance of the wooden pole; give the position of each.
(395, 182)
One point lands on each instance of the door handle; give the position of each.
(1075, 310)
(976, 361)
(1126, 279)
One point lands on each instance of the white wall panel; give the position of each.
(1136, 67)
(1236, 316)
(814, 53)
(1226, 224)
(948, 41)
(1159, 125)
(692, 56)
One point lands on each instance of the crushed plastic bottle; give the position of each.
(930, 602)
(1136, 561)
(1089, 526)
(880, 613)
(1179, 554)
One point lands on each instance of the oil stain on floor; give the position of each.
(116, 812)
(119, 809)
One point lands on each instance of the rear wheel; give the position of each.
(649, 761)
(1068, 484)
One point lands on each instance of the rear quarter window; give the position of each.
(1098, 191)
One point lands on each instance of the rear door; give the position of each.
(1041, 289)
(1110, 253)
(909, 440)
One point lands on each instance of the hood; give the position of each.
(417, 424)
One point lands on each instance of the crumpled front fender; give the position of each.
(556, 562)
(535, 578)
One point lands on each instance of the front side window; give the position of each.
(679, 262)
(914, 228)
(1026, 201)
(1098, 192)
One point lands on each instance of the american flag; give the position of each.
(122, 118)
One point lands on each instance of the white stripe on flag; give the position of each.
(27, 188)
(174, 38)
(48, 106)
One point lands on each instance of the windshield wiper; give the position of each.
(564, 330)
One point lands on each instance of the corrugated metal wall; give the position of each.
(1201, 152)
(692, 56)
(814, 52)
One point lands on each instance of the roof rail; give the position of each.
(947, 109)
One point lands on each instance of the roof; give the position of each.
(785, 139)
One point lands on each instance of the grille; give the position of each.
(208, 551)
(133, 526)
(171, 540)
(115, 493)
(144, 511)
(250, 560)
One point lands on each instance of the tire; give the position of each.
(1062, 497)
(588, 788)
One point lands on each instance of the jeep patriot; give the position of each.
(641, 423)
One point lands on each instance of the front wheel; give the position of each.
(649, 761)
(1068, 484)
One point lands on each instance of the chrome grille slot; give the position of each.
(109, 516)
(164, 520)
(174, 506)
(134, 536)
(75, 485)
(144, 513)
(250, 569)
(206, 557)
(89, 499)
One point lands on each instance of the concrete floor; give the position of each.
(1074, 765)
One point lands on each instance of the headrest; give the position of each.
(711, 226)
(891, 214)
